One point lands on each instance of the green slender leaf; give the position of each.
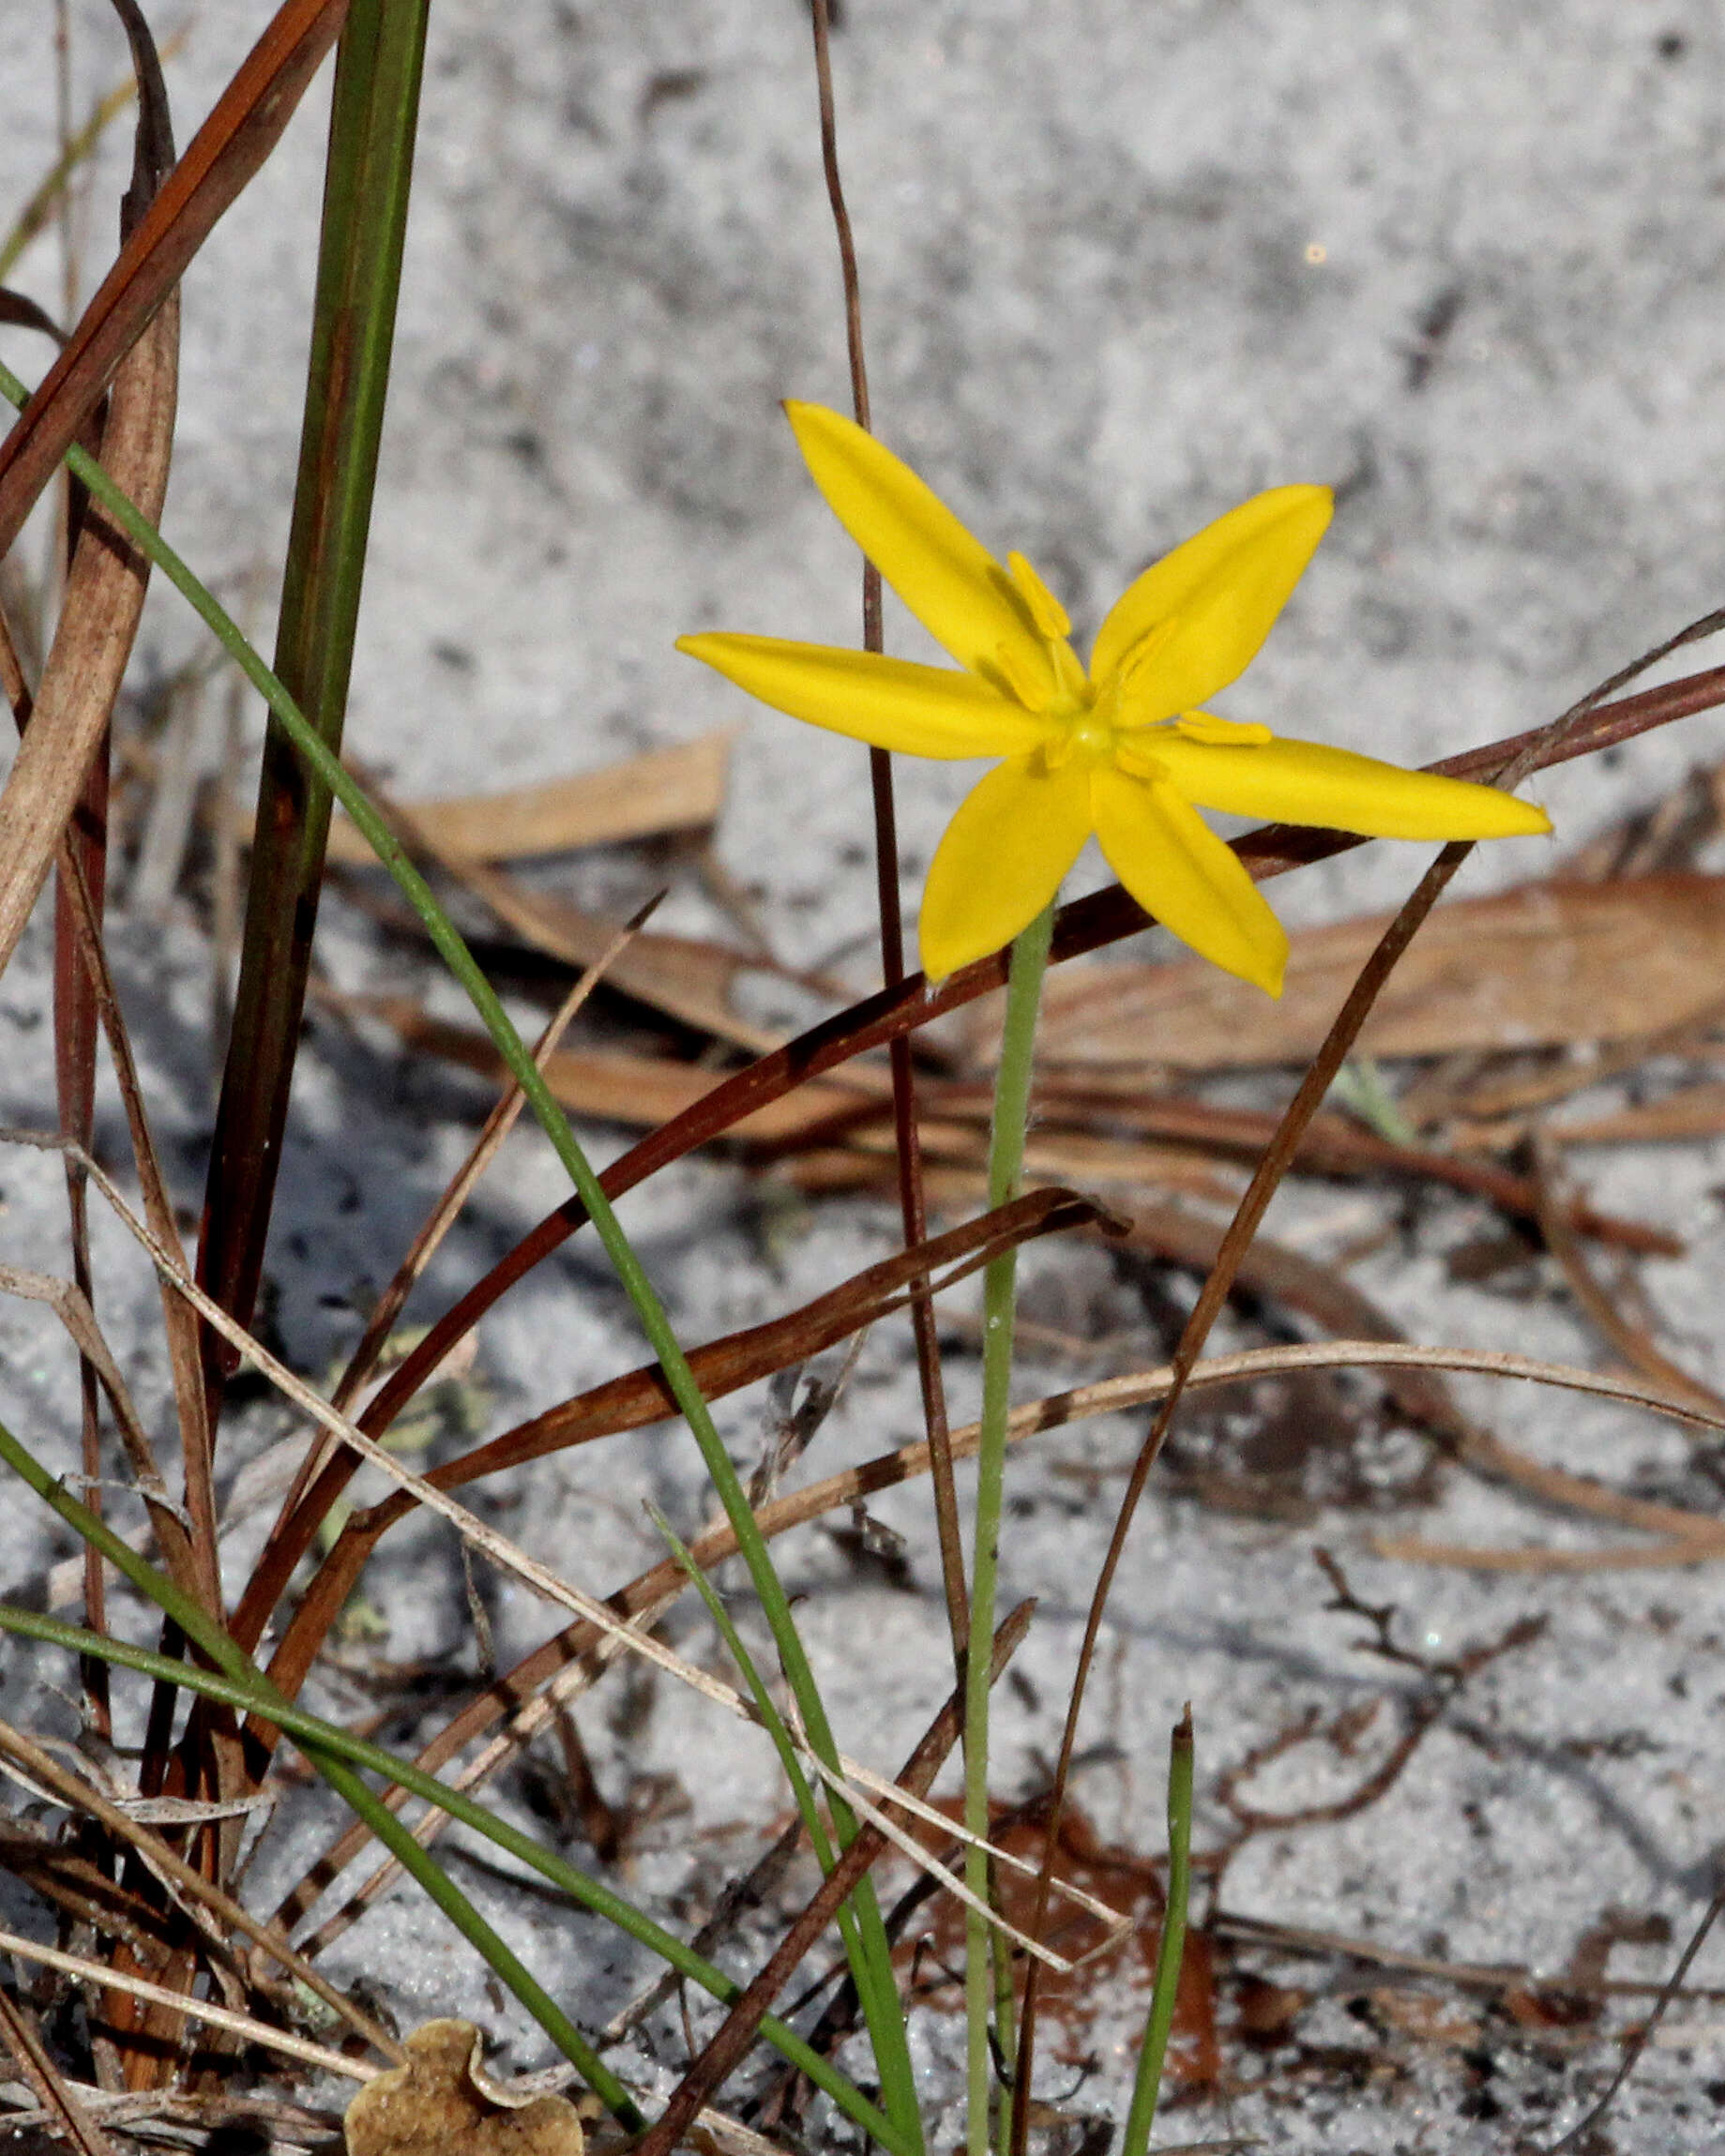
(237, 1683)
(1147, 2085)
(982, 1948)
(876, 1985)
(885, 2019)
(373, 118)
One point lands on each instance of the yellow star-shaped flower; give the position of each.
(1124, 751)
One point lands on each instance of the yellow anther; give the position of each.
(1132, 757)
(1045, 608)
(1020, 678)
(1223, 733)
(1144, 653)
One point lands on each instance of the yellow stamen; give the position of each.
(1033, 694)
(1045, 608)
(1223, 733)
(1131, 756)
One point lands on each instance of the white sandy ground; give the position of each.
(1122, 264)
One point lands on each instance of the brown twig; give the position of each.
(1581, 2134)
(1631, 1341)
(913, 1202)
(1276, 1159)
(725, 2048)
(30, 2055)
(1085, 925)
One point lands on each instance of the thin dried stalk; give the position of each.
(1277, 1160)
(1085, 925)
(79, 1794)
(244, 2025)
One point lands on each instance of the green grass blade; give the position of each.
(876, 1986)
(1147, 2085)
(240, 1683)
(372, 122)
(771, 1719)
(898, 2079)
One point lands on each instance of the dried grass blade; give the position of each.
(1694, 1111)
(1631, 1340)
(92, 641)
(38, 2069)
(631, 1402)
(686, 978)
(567, 1662)
(79, 1794)
(647, 796)
(67, 1302)
(223, 156)
(907, 1128)
(498, 1125)
(255, 2031)
(1085, 925)
(609, 1084)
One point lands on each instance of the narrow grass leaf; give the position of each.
(1147, 2084)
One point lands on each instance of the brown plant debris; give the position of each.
(1568, 962)
(440, 2104)
(678, 789)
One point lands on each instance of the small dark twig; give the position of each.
(1643, 2036)
(1266, 1178)
(913, 1205)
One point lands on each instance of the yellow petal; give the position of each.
(1213, 600)
(950, 581)
(890, 702)
(1308, 782)
(1002, 859)
(1179, 871)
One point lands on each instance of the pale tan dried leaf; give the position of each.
(104, 597)
(1548, 964)
(1694, 1111)
(440, 2104)
(678, 789)
(609, 1084)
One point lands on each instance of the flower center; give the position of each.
(1084, 732)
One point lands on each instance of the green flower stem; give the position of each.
(1147, 2085)
(885, 2019)
(240, 1683)
(999, 1303)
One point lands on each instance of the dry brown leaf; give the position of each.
(1423, 2016)
(440, 2104)
(616, 1087)
(223, 156)
(1693, 1111)
(104, 597)
(1547, 964)
(676, 789)
(686, 978)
